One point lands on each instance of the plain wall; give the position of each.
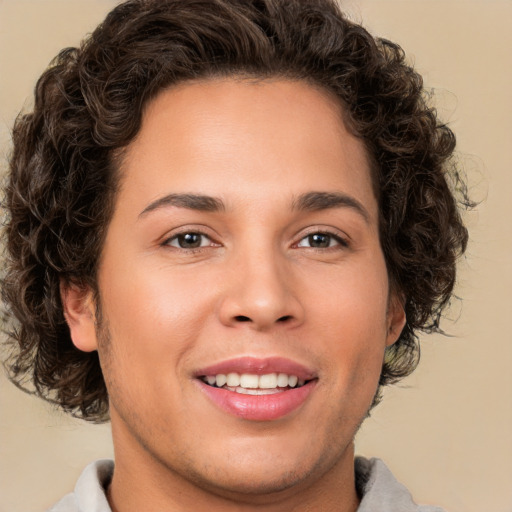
(446, 431)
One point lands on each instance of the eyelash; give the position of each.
(341, 241)
(176, 237)
(332, 236)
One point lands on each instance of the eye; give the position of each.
(321, 241)
(189, 240)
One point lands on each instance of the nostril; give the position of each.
(242, 318)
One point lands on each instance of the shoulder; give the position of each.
(89, 493)
(380, 491)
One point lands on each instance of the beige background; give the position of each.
(446, 431)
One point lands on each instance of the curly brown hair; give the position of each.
(88, 106)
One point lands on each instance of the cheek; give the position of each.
(153, 327)
(352, 299)
(349, 313)
(156, 313)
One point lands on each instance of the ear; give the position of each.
(396, 319)
(79, 312)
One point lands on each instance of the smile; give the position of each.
(257, 389)
(253, 384)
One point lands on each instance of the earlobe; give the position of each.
(396, 320)
(79, 312)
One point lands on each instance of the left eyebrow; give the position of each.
(315, 201)
(190, 201)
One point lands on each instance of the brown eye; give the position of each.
(189, 241)
(321, 241)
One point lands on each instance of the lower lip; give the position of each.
(258, 407)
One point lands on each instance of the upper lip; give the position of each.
(258, 366)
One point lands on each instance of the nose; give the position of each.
(261, 293)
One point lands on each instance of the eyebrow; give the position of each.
(311, 201)
(189, 201)
(316, 201)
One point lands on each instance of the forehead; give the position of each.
(219, 136)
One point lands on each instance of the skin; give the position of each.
(168, 311)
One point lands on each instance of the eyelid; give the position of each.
(175, 238)
(342, 238)
(183, 230)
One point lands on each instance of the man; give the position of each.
(227, 222)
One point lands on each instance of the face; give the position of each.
(244, 294)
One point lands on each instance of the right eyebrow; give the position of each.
(190, 201)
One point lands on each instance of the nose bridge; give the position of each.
(261, 291)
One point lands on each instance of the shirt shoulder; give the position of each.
(381, 492)
(89, 494)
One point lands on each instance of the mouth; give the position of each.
(254, 384)
(257, 389)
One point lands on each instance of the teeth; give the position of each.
(233, 380)
(282, 380)
(268, 381)
(258, 391)
(247, 382)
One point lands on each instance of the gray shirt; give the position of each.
(377, 487)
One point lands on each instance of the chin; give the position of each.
(256, 483)
(264, 475)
